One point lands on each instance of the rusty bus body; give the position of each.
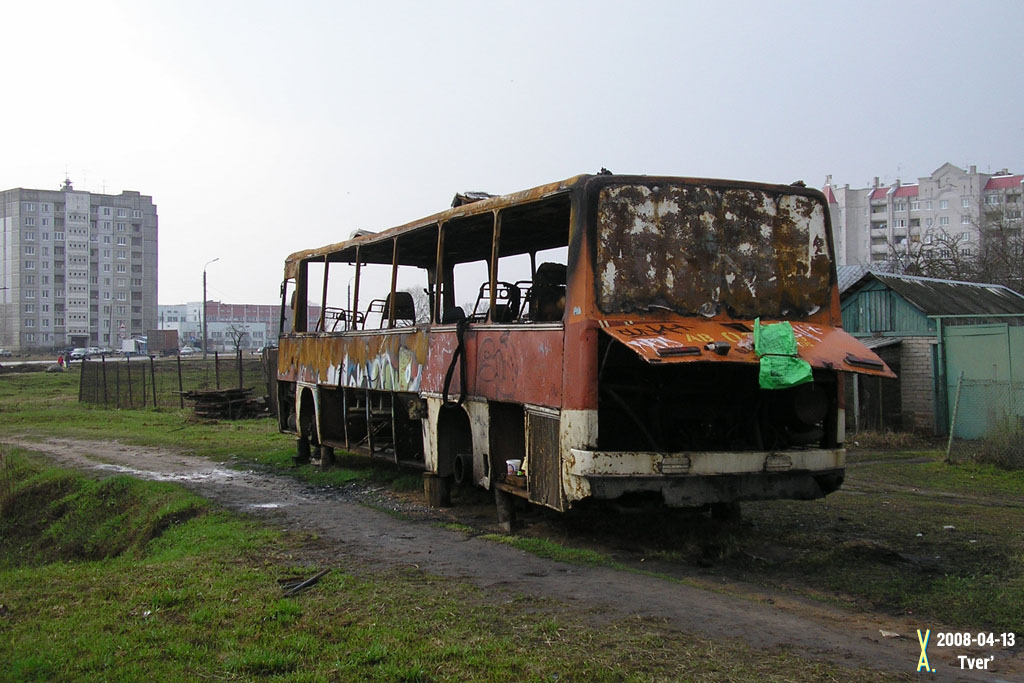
(625, 370)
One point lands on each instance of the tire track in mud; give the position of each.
(354, 530)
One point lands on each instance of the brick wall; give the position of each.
(917, 384)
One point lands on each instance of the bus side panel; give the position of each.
(388, 361)
(511, 365)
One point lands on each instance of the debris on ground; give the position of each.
(226, 403)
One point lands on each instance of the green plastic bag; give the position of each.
(781, 367)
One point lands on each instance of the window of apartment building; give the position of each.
(30, 308)
(121, 253)
(965, 220)
(121, 227)
(136, 269)
(29, 221)
(991, 199)
(965, 203)
(45, 222)
(30, 207)
(136, 213)
(45, 208)
(45, 308)
(121, 268)
(944, 204)
(106, 239)
(29, 322)
(30, 265)
(59, 322)
(45, 322)
(121, 310)
(900, 206)
(136, 282)
(30, 294)
(965, 236)
(136, 241)
(106, 253)
(915, 206)
(30, 337)
(121, 296)
(121, 213)
(106, 210)
(30, 251)
(106, 225)
(121, 282)
(106, 296)
(30, 279)
(106, 267)
(899, 223)
(29, 236)
(943, 220)
(122, 241)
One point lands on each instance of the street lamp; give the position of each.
(203, 311)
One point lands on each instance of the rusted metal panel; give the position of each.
(716, 341)
(707, 250)
(521, 365)
(543, 460)
(392, 361)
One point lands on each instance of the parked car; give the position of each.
(5, 353)
(186, 351)
(78, 354)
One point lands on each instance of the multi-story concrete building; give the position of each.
(252, 325)
(78, 268)
(948, 207)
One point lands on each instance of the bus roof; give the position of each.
(483, 206)
(486, 206)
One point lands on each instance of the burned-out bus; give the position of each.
(588, 339)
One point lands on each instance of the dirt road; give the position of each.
(343, 519)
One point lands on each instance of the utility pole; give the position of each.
(203, 310)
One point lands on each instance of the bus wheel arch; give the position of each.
(305, 428)
(454, 445)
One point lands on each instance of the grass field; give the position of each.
(907, 534)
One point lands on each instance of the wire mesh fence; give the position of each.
(144, 382)
(987, 422)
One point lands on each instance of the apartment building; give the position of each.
(949, 206)
(77, 269)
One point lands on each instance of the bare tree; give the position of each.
(237, 334)
(1001, 251)
(941, 255)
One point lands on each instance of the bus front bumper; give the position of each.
(699, 478)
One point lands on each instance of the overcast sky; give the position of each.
(263, 128)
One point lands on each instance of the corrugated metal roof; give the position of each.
(950, 297)
(849, 275)
(879, 342)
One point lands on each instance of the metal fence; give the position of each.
(987, 422)
(145, 382)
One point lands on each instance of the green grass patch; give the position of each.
(543, 547)
(201, 599)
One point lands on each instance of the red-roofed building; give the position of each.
(949, 206)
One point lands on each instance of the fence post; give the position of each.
(103, 367)
(117, 386)
(952, 422)
(143, 384)
(216, 368)
(81, 380)
(131, 399)
(152, 378)
(239, 352)
(181, 391)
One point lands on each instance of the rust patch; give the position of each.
(702, 250)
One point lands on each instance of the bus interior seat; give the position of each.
(507, 298)
(453, 315)
(405, 309)
(547, 295)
